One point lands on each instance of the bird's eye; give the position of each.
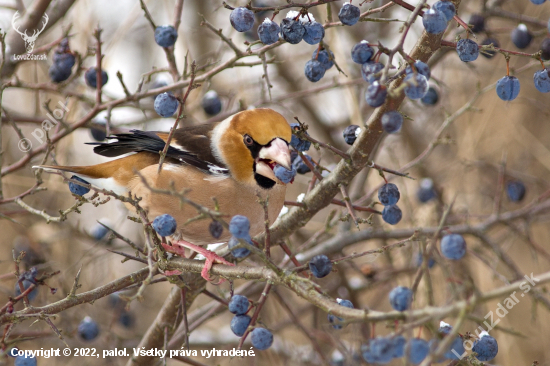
(248, 140)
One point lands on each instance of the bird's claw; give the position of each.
(211, 257)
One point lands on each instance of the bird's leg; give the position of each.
(211, 257)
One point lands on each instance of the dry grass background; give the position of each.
(465, 168)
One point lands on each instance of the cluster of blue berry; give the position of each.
(239, 305)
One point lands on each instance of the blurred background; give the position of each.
(463, 166)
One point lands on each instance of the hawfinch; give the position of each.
(231, 161)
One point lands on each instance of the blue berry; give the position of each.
(420, 67)
(324, 58)
(126, 319)
(12, 352)
(283, 174)
(242, 19)
(477, 23)
(26, 284)
(88, 329)
(542, 80)
(515, 190)
(370, 70)
(446, 7)
(165, 225)
(467, 50)
(239, 323)
(25, 361)
(297, 143)
(545, 48)
(268, 32)
(166, 104)
(351, 133)
(457, 346)
(426, 191)
(521, 37)
(238, 305)
(420, 260)
(261, 338)
(211, 103)
(398, 345)
(434, 21)
(391, 121)
(431, 97)
(538, 2)
(78, 189)
(320, 266)
(508, 88)
(98, 129)
(361, 52)
(417, 86)
(91, 77)
(376, 94)
(216, 229)
(392, 214)
(388, 194)
(99, 231)
(314, 32)
(299, 165)
(336, 320)
(314, 70)
(453, 246)
(416, 350)
(444, 328)
(165, 35)
(292, 30)
(486, 347)
(401, 298)
(61, 67)
(239, 227)
(379, 350)
(489, 53)
(239, 252)
(349, 14)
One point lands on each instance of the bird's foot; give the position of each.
(211, 257)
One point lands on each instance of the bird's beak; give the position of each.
(276, 153)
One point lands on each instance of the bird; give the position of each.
(231, 161)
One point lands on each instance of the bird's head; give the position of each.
(251, 143)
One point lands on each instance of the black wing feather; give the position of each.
(138, 141)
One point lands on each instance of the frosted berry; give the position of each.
(376, 94)
(515, 190)
(508, 88)
(421, 68)
(239, 252)
(370, 71)
(401, 298)
(320, 266)
(314, 32)
(349, 14)
(211, 103)
(166, 104)
(392, 214)
(324, 58)
(351, 133)
(166, 35)
(453, 246)
(486, 347)
(388, 194)
(467, 50)
(283, 174)
(261, 338)
(417, 86)
(78, 189)
(165, 225)
(434, 21)
(314, 70)
(336, 320)
(446, 7)
(239, 227)
(542, 80)
(292, 30)
(521, 37)
(392, 121)
(268, 32)
(239, 323)
(361, 52)
(242, 19)
(88, 329)
(238, 305)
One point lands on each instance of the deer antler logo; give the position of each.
(29, 40)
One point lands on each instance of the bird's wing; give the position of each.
(189, 145)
